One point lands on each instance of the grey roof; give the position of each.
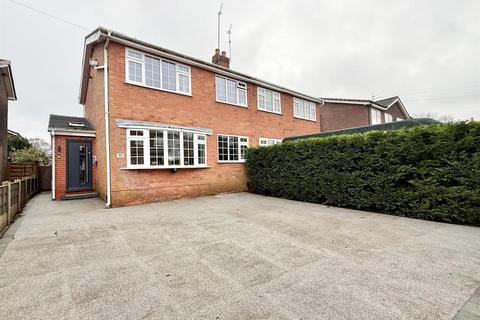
(67, 123)
(387, 102)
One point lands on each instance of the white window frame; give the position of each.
(275, 96)
(375, 115)
(238, 84)
(264, 142)
(388, 117)
(399, 119)
(143, 82)
(240, 144)
(299, 101)
(146, 149)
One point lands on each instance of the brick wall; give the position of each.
(396, 112)
(336, 116)
(200, 110)
(60, 154)
(94, 111)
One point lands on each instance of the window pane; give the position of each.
(201, 153)
(242, 99)
(188, 152)
(233, 148)
(184, 83)
(183, 69)
(134, 71)
(223, 148)
(168, 76)
(152, 72)
(269, 100)
(173, 148)
(221, 89)
(135, 55)
(156, 148)
(243, 151)
(261, 102)
(231, 91)
(136, 152)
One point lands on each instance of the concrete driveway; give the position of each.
(235, 256)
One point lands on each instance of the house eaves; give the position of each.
(6, 74)
(101, 34)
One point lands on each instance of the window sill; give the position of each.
(231, 162)
(277, 113)
(305, 119)
(232, 104)
(158, 89)
(164, 167)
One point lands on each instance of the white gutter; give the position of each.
(54, 155)
(107, 118)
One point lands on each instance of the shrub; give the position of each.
(427, 172)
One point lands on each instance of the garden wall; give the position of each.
(428, 172)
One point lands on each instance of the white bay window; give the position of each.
(163, 148)
(154, 72)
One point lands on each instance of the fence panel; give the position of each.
(13, 197)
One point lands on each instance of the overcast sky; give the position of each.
(427, 52)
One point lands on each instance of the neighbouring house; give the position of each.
(12, 134)
(7, 93)
(337, 113)
(160, 125)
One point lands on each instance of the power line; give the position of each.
(410, 94)
(49, 15)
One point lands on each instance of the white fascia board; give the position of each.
(74, 133)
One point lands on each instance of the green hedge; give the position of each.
(429, 172)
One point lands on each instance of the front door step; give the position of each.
(83, 195)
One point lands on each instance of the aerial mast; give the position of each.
(218, 27)
(229, 32)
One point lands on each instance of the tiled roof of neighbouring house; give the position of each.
(58, 122)
(386, 102)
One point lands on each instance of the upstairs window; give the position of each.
(376, 116)
(153, 72)
(304, 109)
(165, 149)
(232, 148)
(231, 91)
(268, 100)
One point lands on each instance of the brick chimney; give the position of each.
(221, 59)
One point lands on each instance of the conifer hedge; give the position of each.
(429, 172)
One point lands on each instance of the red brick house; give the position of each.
(337, 114)
(160, 125)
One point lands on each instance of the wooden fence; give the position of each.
(13, 198)
(21, 170)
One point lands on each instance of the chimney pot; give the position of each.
(221, 59)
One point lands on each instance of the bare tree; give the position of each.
(444, 118)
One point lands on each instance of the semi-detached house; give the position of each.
(160, 125)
